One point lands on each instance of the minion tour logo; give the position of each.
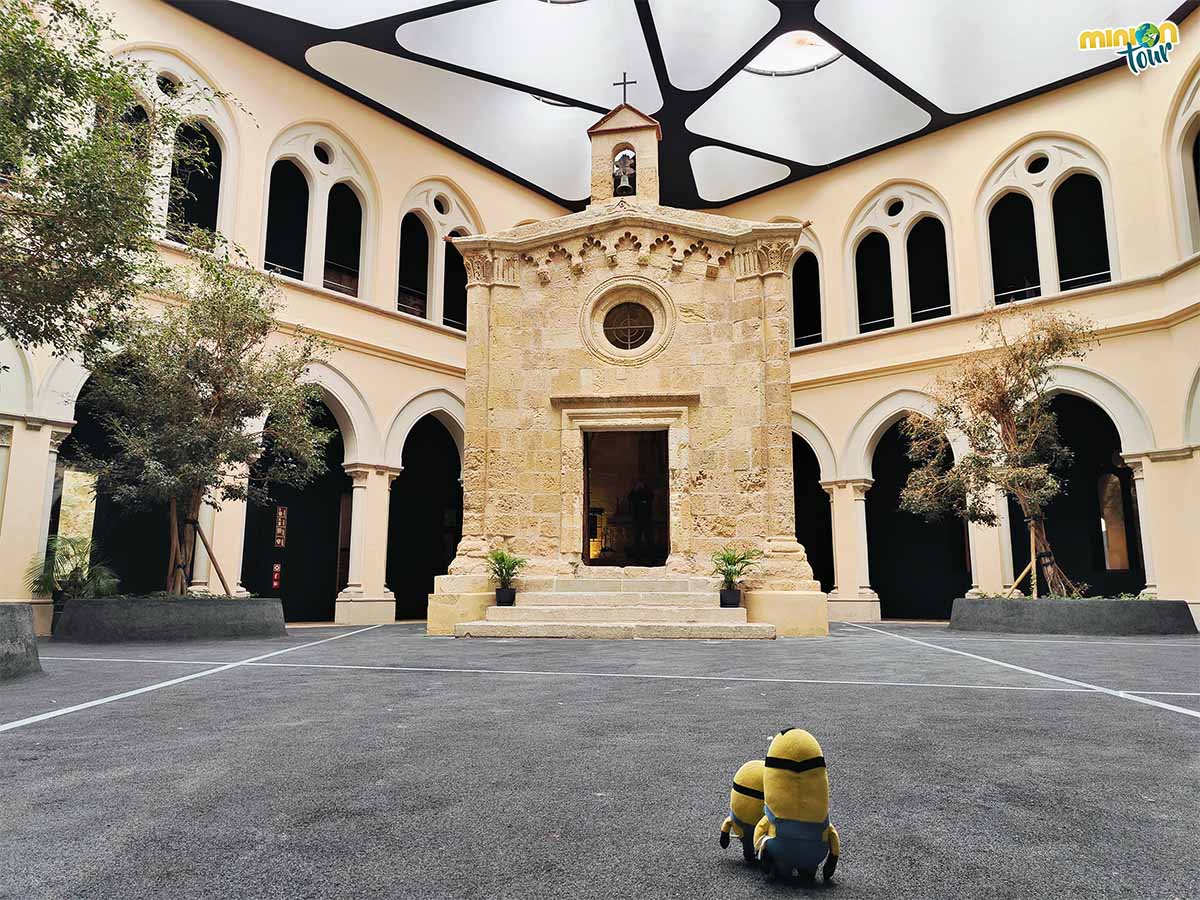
(1143, 46)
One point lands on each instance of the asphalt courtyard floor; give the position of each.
(381, 763)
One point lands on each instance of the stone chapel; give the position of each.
(627, 415)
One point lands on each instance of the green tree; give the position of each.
(180, 390)
(84, 141)
(997, 398)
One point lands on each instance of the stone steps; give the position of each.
(614, 585)
(680, 599)
(627, 614)
(617, 630)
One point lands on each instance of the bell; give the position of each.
(624, 186)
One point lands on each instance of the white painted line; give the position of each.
(653, 676)
(1185, 644)
(54, 714)
(1165, 693)
(118, 659)
(1124, 695)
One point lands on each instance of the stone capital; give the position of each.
(480, 267)
(775, 255)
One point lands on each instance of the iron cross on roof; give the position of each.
(624, 84)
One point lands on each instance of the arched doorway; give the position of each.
(917, 567)
(814, 515)
(297, 546)
(425, 517)
(133, 542)
(1093, 524)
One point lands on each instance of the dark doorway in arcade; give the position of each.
(917, 567)
(1093, 523)
(133, 542)
(425, 516)
(297, 546)
(814, 515)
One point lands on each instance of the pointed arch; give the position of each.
(359, 433)
(815, 437)
(438, 402)
(1133, 425)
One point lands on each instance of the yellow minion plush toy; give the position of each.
(795, 834)
(745, 806)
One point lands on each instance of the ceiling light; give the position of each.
(793, 54)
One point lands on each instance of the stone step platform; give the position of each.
(617, 630)
(603, 613)
(621, 599)
(615, 584)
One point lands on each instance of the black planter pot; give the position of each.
(56, 610)
(505, 596)
(730, 598)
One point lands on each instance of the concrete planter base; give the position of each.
(1017, 616)
(18, 643)
(158, 619)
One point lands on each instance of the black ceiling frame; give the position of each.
(288, 40)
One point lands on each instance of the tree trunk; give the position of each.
(174, 525)
(1057, 583)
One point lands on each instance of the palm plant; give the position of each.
(69, 571)
(732, 564)
(504, 566)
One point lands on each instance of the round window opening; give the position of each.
(628, 326)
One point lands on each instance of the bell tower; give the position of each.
(625, 156)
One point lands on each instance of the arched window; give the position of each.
(1080, 237)
(287, 220)
(806, 300)
(454, 288)
(343, 240)
(1014, 249)
(624, 172)
(195, 180)
(412, 295)
(1196, 168)
(873, 280)
(928, 270)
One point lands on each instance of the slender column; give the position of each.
(862, 555)
(318, 220)
(202, 573)
(56, 439)
(901, 301)
(830, 488)
(6, 433)
(1138, 465)
(358, 528)
(378, 498)
(1007, 572)
(229, 540)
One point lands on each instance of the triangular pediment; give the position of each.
(624, 118)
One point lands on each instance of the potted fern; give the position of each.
(732, 564)
(503, 567)
(68, 571)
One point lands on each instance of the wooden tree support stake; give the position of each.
(195, 523)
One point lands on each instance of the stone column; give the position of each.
(6, 433)
(56, 440)
(202, 572)
(365, 600)
(852, 600)
(481, 269)
(1142, 495)
(790, 563)
(830, 488)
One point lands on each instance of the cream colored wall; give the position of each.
(393, 367)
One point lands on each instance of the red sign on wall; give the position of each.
(276, 576)
(280, 526)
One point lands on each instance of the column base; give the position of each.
(359, 610)
(793, 613)
(854, 609)
(448, 610)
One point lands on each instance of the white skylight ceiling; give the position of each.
(751, 94)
